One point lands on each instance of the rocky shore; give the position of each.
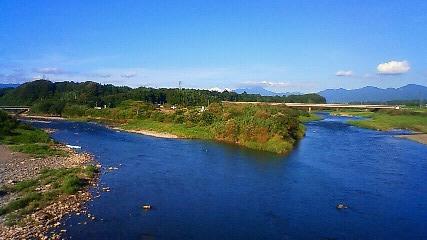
(44, 223)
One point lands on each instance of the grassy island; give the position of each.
(262, 127)
(411, 119)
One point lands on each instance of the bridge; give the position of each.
(310, 106)
(15, 109)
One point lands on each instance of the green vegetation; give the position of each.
(262, 127)
(38, 149)
(47, 97)
(308, 117)
(44, 189)
(175, 111)
(391, 119)
(26, 139)
(178, 129)
(50, 184)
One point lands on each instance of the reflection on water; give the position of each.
(208, 190)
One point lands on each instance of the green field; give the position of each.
(391, 119)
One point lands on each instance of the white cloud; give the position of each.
(202, 78)
(393, 67)
(101, 75)
(49, 70)
(128, 75)
(344, 73)
(268, 84)
(217, 89)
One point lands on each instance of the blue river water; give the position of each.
(209, 190)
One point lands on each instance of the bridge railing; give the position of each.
(323, 105)
(15, 107)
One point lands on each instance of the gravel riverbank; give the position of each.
(15, 167)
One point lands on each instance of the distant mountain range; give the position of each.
(9, 85)
(263, 92)
(374, 94)
(365, 94)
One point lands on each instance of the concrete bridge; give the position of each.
(311, 106)
(15, 109)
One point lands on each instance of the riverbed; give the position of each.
(208, 190)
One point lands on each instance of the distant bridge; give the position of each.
(15, 109)
(309, 106)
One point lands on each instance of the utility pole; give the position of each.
(180, 95)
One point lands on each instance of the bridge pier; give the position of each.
(309, 109)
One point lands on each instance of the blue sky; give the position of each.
(281, 45)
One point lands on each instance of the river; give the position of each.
(208, 190)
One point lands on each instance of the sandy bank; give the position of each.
(150, 133)
(420, 137)
(34, 117)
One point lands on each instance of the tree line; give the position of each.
(52, 97)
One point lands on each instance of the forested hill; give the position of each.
(95, 94)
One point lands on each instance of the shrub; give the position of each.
(71, 184)
(179, 118)
(49, 107)
(207, 118)
(74, 110)
(157, 116)
(7, 124)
